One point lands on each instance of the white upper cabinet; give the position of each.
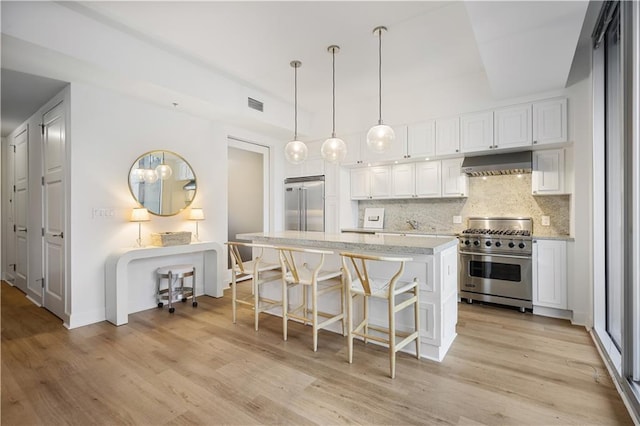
(416, 180)
(454, 182)
(398, 149)
(371, 182)
(428, 179)
(512, 126)
(548, 174)
(354, 149)
(550, 121)
(421, 140)
(403, 180)
(476, 132)
(447, 136)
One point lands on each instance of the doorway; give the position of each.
(248, 190)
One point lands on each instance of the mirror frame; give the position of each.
(180, 157)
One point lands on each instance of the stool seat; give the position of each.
(175, 269)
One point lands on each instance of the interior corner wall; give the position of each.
(109, 131)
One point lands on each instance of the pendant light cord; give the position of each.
(333, 54)
(295, 97)
(380, 76)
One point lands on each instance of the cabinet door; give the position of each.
(360, 187)
(403, 181)
(380, 186)
(397, 151)
(421, 140)
(447, 136)
(512, 126)
(548, 172)
(476, 132)
(550, 121)
(428, 179)
(550, 273)
(354, 154)
(454, 182)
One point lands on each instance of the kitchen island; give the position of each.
(435, 265)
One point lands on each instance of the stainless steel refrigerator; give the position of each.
(304, 203)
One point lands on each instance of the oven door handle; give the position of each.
(510, 256)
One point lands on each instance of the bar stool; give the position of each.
(256, 270)
(311, 278)
(173, 292)
(389, 289)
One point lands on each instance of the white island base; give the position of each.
(435, 264)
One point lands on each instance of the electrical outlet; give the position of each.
(102, 213)
(457, 219)
(546, 221)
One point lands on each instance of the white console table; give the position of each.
(116, 273)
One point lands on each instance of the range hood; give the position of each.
(511, 163)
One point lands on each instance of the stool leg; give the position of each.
(365, 303)
(255, 289)
(170, 293)
(416, 313)
(314, 313)
(194, 297)
(342, 307)
(285, 306)
(350, 327)
(158, 295)
(392, 335)
(233, 294)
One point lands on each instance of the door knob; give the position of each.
(61, 235)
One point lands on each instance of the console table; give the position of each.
(116, 273)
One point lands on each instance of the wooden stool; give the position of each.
(172, 293)
(255, 270)
(389, 290)
(312, 279)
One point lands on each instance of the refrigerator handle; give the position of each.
(304, 208)
(300, 226)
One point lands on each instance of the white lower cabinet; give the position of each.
(549, 265)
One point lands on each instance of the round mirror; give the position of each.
(162, 182)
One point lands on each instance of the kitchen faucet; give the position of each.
(413, 223)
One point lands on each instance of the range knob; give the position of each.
(512, 244)
(521, 245)
(498, 243)
(488, 243)
(467, 242)
(476, 243)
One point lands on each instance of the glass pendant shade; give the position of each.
(334, 150)
(164, 171)
(380, 138)
(296, 152)
(150, 176)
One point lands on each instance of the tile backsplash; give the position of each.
(496, 196)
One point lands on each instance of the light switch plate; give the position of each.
(457, 219)
(546, 221)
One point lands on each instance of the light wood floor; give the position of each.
(196, 367)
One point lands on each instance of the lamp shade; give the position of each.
(296, 152)
(196, 213)
(380, 138)
(164, 171)
(140, 215)
(334, 150)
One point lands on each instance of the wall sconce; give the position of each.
(140, 215)
(196, 214)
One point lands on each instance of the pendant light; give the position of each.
(380, 137)
(296, 151)
(164, 171)
(334, 149)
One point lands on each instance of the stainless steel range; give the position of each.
(495, 261)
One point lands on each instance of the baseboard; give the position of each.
(86, 318)
(552, 312)
(35, 302)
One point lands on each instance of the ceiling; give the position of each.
(518, 48)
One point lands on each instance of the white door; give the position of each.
(512, 126)
(454, 183)
(360, 184)
(447, 136)
(21, 197)
(9, 244)
(550, 121)
(421, 140)
(476, 132)
(53, 141)
(380, 182)
(403, 181)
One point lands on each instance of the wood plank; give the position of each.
(196, 367)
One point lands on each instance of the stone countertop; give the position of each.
(553, 237)
(376, 243)
(417, 232)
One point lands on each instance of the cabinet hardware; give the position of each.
(535, 142)
(457, 150)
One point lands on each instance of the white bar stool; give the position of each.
(255, 270)
(174, 292)
(314, 279)
(391, 289)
